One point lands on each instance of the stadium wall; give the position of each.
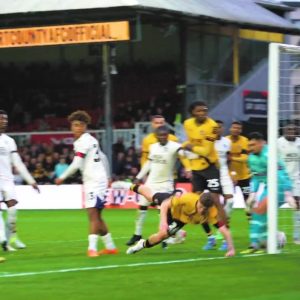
(71, 197)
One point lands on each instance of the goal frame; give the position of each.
(273, 133)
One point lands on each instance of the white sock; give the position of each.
(93, 242)
(2, 229)
(297, 225)
(140, 220)
(108, 241)
(11, 221)
(228, 206)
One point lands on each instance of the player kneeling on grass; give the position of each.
(92, 163)
(177, 211)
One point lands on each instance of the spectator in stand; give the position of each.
(40, 174)
(65, 151)
(32, 164)
(49, 166)
(41, 157)
(118, 165)
(132, 152)
(34, 150)
(130, 166)
(118, 147)
(55, 156)
(60, 167)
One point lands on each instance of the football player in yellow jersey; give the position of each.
(201, 133)
(238, 157)
(176, 212)
(156, 122)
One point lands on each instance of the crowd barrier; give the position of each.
(71, 197)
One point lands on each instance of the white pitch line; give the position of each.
(168, 262)
(67, 241)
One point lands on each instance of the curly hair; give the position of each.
(80, 115)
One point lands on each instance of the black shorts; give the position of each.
(158, 198)
(245, 186)
(207, 179)
(174, 225)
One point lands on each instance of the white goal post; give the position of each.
(283, 106)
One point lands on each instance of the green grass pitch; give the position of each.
(55, 266)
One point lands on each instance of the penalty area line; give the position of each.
(134, 265)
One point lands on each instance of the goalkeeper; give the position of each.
(257, 200)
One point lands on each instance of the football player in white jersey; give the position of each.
(289, 151)
(93, 164)
(9, 158)
(223, 146)
(160, 167)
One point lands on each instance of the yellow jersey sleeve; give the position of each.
(172, 137)
(239, 157)
(147, 141)
(202, 138)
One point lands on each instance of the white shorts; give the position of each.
(94, 196)
(165, 187)
(296, 186)
(7, 190)
(227, 185)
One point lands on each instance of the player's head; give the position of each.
(3, 121)
(290, 131)
(205, 202)
(162, 133)
(199, 111)
(79, 120)
(157, 121)
(220, 127)
(256, 142)
(236, 128)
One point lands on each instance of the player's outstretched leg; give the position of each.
(139, 223)
(140, 245)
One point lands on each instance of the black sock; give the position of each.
(206, 228)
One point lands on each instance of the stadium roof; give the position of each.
(244, 12)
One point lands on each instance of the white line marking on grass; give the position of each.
(67, 241)
(168, 262)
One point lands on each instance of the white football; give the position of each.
(281, 239)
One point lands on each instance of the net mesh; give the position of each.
(288, 135)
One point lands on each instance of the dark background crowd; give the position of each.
(39, 96)
(46, 162)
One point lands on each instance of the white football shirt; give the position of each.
(222, 147)
(7, 147)
(162, 162)
(289, 152)
(93, 167)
